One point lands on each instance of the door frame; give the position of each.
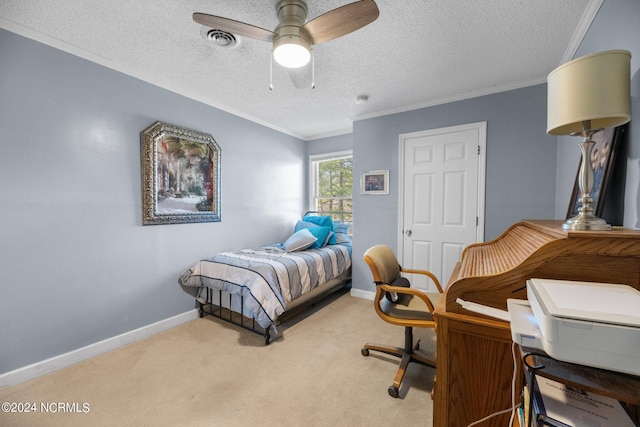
(481, 127)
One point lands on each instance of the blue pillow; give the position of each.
(342, 238)
(341, 227)
(300, 240)
(322, 221)
(322, 234)
(330, 238)
(303, 224)
(342, 232)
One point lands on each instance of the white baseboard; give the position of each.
(358, 293)
(62, 361)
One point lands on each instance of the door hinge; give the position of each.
(478, 150)
(477, 221)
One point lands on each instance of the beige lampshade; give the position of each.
(594, 87)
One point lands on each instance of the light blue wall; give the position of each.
(330, 145)
(76, 265)
(614, 27)
(520, 165)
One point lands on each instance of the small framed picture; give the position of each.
(375, 182)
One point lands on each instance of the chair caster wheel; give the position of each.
(393, 391)
(364, 352)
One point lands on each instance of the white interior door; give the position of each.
(442, 198)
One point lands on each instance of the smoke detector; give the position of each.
(362, 99)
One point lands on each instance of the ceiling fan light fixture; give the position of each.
(291, 51)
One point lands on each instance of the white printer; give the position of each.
(593, 324)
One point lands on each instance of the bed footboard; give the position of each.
(229, 307)
(217, 309)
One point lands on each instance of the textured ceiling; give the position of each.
(417, 53)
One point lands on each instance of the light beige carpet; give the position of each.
(207, 373)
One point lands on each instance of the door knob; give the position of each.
(408, 233)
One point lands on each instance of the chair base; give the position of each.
(406, 356)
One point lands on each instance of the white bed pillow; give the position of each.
(300, 240)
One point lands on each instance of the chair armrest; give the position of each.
(425, 273)
(409, 291)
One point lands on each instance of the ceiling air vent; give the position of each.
(220, 38)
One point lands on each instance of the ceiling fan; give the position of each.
(293, 36)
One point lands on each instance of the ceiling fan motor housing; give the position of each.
(292, 15)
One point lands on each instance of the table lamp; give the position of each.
(586, 95)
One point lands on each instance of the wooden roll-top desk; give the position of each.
(474, 365)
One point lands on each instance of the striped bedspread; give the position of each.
(268, 278)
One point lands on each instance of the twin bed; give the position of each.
(257, 289)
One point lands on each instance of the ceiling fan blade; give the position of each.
(302, 77)
(341, 21)
(234, 27)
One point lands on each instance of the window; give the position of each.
(331, 184)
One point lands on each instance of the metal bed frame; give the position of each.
(219, 311)
(226, 314)
(230, 316)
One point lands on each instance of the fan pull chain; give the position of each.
(313, 70)
(271, 73)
